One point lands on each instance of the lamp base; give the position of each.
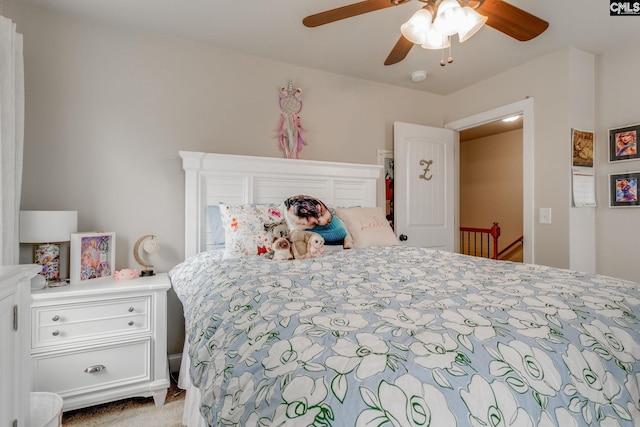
(146, 273)
(48, 256)
(56, 283)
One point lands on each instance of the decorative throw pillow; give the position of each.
(311, 214)
(214, 228)
(333, 233)
(247, 228)
(368, 227)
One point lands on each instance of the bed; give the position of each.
(387, 334)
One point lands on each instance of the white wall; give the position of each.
(618, 92)
(107, 111)
(582, 104)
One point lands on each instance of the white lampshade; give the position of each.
(472, 23)
(450, 17)
(435, 40)
(47, 226)
(416, 28)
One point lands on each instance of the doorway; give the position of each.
(524, 107)
(491, 187)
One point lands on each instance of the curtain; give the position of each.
(11, 138)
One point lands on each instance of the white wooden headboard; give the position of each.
(214, 178)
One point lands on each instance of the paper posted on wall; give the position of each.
(584, 188)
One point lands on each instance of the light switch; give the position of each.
(545, 215)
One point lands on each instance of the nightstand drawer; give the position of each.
(86, 370)
(62, 324)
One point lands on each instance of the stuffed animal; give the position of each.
(275, 230)
(281, 249)
(300, 243)
(125, 274)
(315, 247)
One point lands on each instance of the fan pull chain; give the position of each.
(450, 58)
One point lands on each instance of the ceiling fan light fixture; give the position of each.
(449, 18)
(417, 27)
(472, 23)
(435, 40)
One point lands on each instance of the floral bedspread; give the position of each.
(409, 337)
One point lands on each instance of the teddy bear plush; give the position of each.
(300, 241)
(315, 247)
(281, 249)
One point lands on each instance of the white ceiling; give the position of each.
(358, 46)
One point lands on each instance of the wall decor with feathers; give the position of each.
(290, 131)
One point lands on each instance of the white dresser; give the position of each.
(102, 340)
(15, 285)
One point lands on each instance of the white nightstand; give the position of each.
(102, 340)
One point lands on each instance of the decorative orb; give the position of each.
(450, 59)
(151, 246)
(442, 62)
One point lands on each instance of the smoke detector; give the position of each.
(418, 76)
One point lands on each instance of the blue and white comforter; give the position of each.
(409, 337)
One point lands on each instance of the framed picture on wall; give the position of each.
(623, 189)
(583, 148)
(623, 143)
(93, 256)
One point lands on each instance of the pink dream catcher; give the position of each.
(289, 128)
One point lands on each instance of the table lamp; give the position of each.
(150, 245)
(46, 230)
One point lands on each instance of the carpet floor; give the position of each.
(134, 412)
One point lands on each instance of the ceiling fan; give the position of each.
(499, 14)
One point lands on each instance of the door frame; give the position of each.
(524, 107)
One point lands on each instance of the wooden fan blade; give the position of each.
(349, 11)
(399, 51)
(511, 20)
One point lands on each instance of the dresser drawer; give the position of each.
(67, 323)
(86, 370)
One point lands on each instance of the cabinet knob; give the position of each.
(403, 238)
(131, 309)
(55, 318)
(131, 323)
(95, 368)
(55, 333)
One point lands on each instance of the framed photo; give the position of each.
(623, 189)
(93, 256)
(623, 143)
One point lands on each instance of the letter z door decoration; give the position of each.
(426, 164)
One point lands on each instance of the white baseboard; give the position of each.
(174, 362)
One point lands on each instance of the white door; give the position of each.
(424, 186)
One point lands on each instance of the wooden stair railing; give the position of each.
(518, 241)
(487, 247)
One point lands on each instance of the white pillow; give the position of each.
(244, 228)
(367, 226)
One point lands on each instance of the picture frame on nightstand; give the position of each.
(93, 256)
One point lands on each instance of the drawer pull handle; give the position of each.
(56, 318)
(95, 368)
(131, 309)
(131, 323)
(55, 333)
